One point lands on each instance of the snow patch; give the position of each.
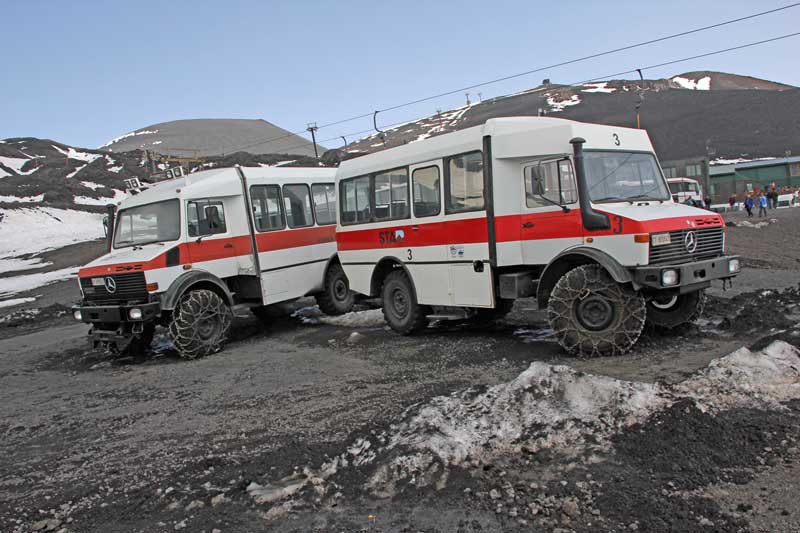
(72, 153)
(88, 200)
(14, 264)
(131, 134)
(735, 161)
(22, 199)
(16, 164)
(91, 185)
(600, 87)
(357, 319)
(74, 172)
(17, 284)
(703, 84)
(559, 105)
(30, 230)
(16, 301)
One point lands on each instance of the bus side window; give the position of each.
(427, 195)
(356, 200)
(297, 206)
(205, 217)
(391, 194)
(324, 196)
(464, 183)
(267, 213)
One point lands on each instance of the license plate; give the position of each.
(660, 239)
(98, 282)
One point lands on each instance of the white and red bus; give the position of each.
(182, 254)
(683, 189)
(577, 215)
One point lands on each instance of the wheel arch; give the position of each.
(194, 280)
(575, 257)
(384, 267)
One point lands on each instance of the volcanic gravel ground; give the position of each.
(95, 442)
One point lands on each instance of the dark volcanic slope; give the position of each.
(739, 115)
(212, 137)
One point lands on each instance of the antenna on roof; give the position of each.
(381, 133)
(639, 101)
(312, 127)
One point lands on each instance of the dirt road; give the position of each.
(93, 443)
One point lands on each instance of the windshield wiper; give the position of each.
(610, 199)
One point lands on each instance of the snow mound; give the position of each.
(22, 199)
(357, 319)
(15, 164)
(131, 134)
(546, 407)
(703, 84)
(744, 378)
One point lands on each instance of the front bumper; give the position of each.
(114, 314)
(692, 276)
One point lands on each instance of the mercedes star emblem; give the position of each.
(690, 241)
(111, 285)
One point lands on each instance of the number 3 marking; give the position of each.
(410, 257)
(616, 139)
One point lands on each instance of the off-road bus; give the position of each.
(577, 215)
(185, 252)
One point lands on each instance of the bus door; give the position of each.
(547, 228)
(211, 243)
(467, 232)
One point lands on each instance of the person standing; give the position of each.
(748, 204)
(762, 205)
(732, 201)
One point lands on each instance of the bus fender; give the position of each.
(574, 257)
(206, 280)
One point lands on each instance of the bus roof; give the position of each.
(225, 182)
(511, 137)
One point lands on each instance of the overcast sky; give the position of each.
(83, 72)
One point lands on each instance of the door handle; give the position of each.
(528, 225)
(228, 245)
(414, 228)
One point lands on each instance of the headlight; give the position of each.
(669, 278)
(77, 314)
(734, 266)
(135, 313)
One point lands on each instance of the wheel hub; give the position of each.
(400, 303)
(206, 327)
(340, 289)
(594, 312)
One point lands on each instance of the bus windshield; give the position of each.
(624, 176)
(149, 223)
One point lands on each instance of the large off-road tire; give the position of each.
(400, 307)
(673, 311)
(336, 297)
(502, 308)
(200, 324)
(593, 315)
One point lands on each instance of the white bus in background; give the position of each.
(684, 188)
(577, 215)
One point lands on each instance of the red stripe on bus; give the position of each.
(225, 248)
(461, 231)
